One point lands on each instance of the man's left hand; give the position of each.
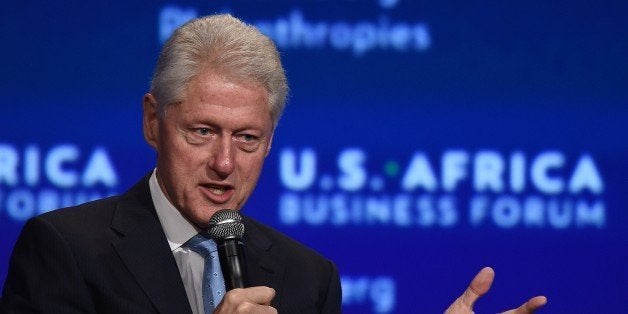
(479, 286)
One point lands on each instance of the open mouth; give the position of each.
(217, 190)
(218, 194)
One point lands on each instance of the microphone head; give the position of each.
(226, 224)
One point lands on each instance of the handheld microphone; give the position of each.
(227, 229)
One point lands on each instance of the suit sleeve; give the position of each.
(333, 300)
(43, 274)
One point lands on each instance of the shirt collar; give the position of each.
(177, 228)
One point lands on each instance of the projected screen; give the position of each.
(421, 141)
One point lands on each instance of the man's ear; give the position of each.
(150, 122)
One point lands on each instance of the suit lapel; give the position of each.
(144, 249)
(265, 268)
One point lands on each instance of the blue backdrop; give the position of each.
(422, 140)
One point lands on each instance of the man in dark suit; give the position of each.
(216, 96)
(217, 93)
(111, 256)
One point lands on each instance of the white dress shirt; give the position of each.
(179, 230)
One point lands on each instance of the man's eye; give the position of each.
(248, 142)
(203, 131)
(248, 137)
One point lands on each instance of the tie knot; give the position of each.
(201, 244)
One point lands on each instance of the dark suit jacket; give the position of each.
(112, 256)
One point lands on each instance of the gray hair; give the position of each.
(225, 45)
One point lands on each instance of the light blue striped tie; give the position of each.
(213, 281)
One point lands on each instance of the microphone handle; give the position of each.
(231, 255)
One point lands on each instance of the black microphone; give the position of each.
(227, 229)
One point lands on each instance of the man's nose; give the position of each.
(222, 162)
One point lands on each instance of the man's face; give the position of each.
(210, 147)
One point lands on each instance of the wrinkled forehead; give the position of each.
(207, 76)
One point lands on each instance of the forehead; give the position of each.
(224, 95)
(213, 83)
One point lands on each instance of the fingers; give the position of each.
(532, 305)
(480, 284)
(260, 295)
(247, 300)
